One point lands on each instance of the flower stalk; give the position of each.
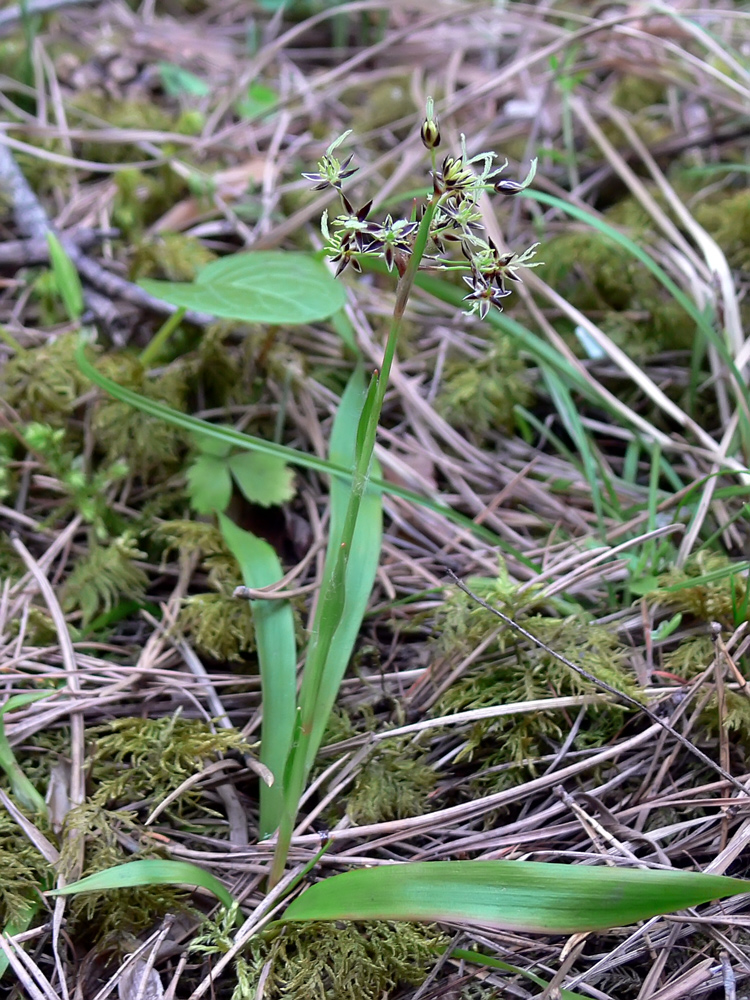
(449, 216)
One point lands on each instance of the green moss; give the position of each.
(727, 219)
(111, 915)
(713, 600)
(692, 655)
(135, 758)
(169, 256)
(104, 575)
(25, 871)
(218, 625)
(43, 383)
(341, 961)
(151, 445)
(481, 394)
(596, 275)
(638, 93)
(514, 671)
(395, 782)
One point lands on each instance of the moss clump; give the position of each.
(218, 624)
(111, 914)
(514, 672)
(690, 657)
(481, 394)
(43, 383)
(169, 256)
(103, 576)
(596, 275)
(342, 961)
(723, 599)
(394, 783)
(25, 872)
(728, 221)
(136, 758)
(151, 445)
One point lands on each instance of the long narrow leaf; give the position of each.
(20, 784)
(148, 872)
(515, 895)
(234, 438)
(363, 561)
(490, 962)
(277, 656)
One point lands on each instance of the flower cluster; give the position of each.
(455, 223)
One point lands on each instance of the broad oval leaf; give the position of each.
(515, 895)
(258, 287)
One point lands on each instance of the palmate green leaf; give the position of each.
(235, 438)
(514, 895)
(150, 871)
(263, 479)
(209, 484)
(277, 656)
(259, 287)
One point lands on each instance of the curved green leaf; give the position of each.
(148, 872)
(277, 657)
(259, 287)
(515, 895)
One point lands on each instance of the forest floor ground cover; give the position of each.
(594, 436)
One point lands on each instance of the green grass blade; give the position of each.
(150, 871)
(277, 657)
(229, 436)
(571, 420)
(514, 895)
(490, 962)
(318, 697)
(21, 786)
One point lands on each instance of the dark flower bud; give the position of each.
(430, 134)
(430, 131)
(508, 187)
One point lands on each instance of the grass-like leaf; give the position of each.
(66, 277)
(259, 287)
(151, 871)
(515, 895)
(476, 958)
(277, 656)
(20, 785)
(233, 438)
(317, 696)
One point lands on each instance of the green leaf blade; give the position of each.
(515, 895)
(148, 872)
(209, 484)
(258, 287)
(363, 562)
(262, 479)
(277, 657)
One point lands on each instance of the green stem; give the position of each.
(153, 349)
(331, 608)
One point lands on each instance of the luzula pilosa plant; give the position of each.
(449, 217)
(454, 220)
